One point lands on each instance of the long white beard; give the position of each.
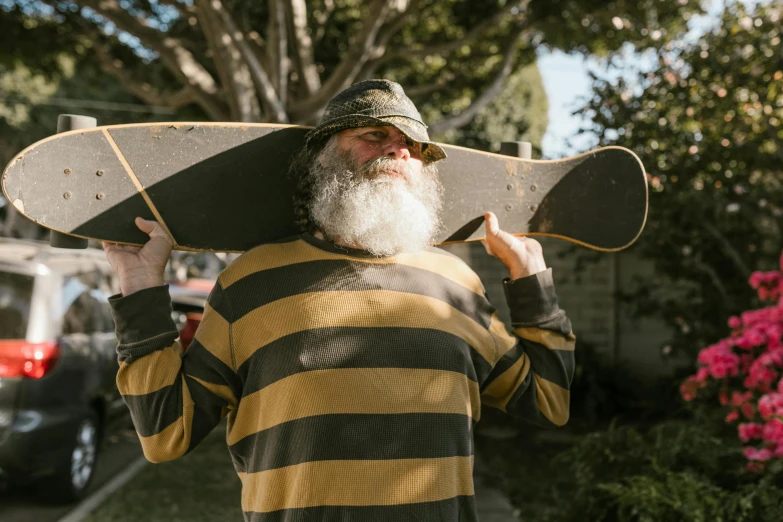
(370, 209)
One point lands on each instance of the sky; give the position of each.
(566, 81)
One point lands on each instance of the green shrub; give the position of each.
(677, 471)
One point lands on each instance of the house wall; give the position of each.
(588, 298)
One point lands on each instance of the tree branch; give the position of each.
(239, 75)
(387, 33)
(472, 34)
(728, 250)
(217, 53)
(174, 55)
(257, 45)
(361, 51)
(257, 73)
(426, 90)
(395, 24)
(303, 46)
(716, 281)
(283, 63)
(142, 90)
(183, 8)
(277, 47)
(321, 21)
(489, 94)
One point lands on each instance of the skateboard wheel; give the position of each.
(60, 240)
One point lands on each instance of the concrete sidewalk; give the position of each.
(492, 505)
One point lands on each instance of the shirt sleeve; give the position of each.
(531, 378)
(175, 398)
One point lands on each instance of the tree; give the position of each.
(469, 66)
(282, 60)
(706, 123)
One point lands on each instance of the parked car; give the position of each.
(58, 365)
(187, 303)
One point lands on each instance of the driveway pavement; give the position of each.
(26, 504)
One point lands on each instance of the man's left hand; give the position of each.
(523, 256)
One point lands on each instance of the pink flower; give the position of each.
(760, 375)
(773, 431)
(720, 361)
(738, 399)
(749, 430)
(774, 357)
(771, 404)
(774, 331)
(748, 318)
(755, 337)
(760, 455)
(754, 353)
(701, 375)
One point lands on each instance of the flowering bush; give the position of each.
(747, 366)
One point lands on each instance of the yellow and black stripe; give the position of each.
(351, 383)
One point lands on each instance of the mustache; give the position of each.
(383, 165)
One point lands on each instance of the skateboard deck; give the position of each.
(224, 187)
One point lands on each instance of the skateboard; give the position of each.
(224, 187)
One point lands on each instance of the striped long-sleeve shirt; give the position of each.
(351, 383)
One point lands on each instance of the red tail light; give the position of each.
(189, 330)
(23, 359)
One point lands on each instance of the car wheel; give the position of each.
(71, 480)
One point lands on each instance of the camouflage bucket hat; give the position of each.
(374, 103)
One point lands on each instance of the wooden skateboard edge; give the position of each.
(104, 128)
(556, 236)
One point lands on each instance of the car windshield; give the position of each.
(16, 292)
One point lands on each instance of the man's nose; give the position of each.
(397, 149)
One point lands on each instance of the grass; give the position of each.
(201, 486)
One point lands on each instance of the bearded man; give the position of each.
(353, 359)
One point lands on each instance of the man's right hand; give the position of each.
(141, 267)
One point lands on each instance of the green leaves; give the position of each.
(707, 127)
(678, 471)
